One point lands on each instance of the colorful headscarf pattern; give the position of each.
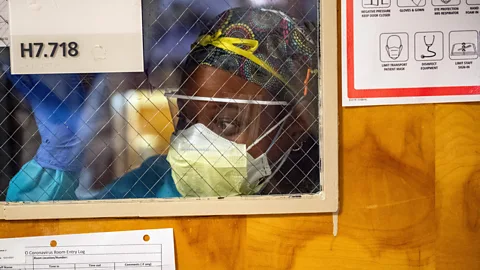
(280, 52)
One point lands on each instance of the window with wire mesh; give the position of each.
(229, 105)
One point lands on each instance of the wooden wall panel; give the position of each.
(410, 182)
(457, 186)
(388, 201)
(410, 199)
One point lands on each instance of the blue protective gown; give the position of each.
(33, 183)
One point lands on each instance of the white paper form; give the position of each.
(130, 250)
(410, 51)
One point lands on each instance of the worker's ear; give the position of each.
(303, 121)
(306, 113)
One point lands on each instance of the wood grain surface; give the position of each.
(410, 182)
(410, 199)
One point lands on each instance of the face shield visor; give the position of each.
(239, 118)
(210, 148)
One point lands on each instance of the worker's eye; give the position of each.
(227, 126)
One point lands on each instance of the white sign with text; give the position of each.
(71, 36)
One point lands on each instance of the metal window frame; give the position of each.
(324, 202)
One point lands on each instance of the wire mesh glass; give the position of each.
(142, 135)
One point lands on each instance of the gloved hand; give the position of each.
(66, 124)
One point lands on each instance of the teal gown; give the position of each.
(33, 183)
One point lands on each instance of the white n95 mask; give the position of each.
(205, 164)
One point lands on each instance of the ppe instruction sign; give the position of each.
(71, 36)
(410, 51)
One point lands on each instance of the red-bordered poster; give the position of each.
(410, 51)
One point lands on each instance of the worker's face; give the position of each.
(241, 123)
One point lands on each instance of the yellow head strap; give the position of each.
(230, 44)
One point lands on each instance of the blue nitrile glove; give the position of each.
(66, 124)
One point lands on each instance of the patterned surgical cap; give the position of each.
(287, 46)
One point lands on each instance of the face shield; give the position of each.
(239, 118)
(224, 131)
(209, 152)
